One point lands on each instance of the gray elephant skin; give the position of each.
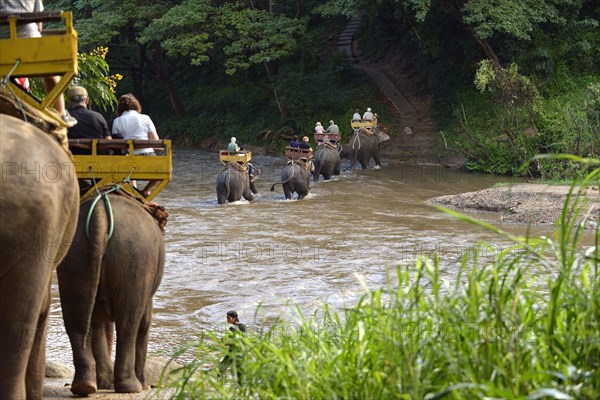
(327, 162)
(295, 178)
(232, 185)
(104, 281)
(362, 147)
(39, 202)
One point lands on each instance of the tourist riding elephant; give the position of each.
(233, 183)
(295, 177)
(110, 275)
(327, 161)
(364, 145)
(39, 202)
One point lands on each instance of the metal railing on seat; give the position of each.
(113, 162)
(55, 53)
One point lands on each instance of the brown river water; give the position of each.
(267, 257)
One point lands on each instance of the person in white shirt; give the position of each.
(319, 128)
(368, 115)
(132, 124)
(356, 116)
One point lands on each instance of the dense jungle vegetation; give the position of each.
(510, 79)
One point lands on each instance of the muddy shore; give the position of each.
(523, 203)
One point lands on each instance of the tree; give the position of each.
(121, 24)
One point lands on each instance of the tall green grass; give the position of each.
(523, 324)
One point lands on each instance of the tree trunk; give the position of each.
(163, 77)
(271, 69)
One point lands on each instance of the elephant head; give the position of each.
(108, 278)
(39, 202)
(233, 183)
(295, 177)
(327, 161)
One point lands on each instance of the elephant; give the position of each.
(233, 183)
(109, 276)
(327, 161)
(39, 203)
(364, 145)
(295, 177)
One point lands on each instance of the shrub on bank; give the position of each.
(519, 323)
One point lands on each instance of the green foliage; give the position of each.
(94, 75)
(183, 31)
(520, 322)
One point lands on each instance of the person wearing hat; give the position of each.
(368, 115)
(319, 128)
(90, 124)
(333, 128)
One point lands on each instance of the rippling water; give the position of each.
(274, 254)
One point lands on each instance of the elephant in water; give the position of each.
(108, 279)
(233, 183)
(295, 177)
(364, 145)
(327, 161)
(39, 202)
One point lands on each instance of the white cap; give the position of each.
(368, 109)
(331, 122)
(233, 139)
(318, 123)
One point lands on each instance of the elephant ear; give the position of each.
(382, 136)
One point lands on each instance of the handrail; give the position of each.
(117, 143)
(28, 17)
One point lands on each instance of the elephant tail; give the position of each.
(289, 178)
(99, 221)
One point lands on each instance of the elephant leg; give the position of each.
(102, 349)
(336, 170)
(248, 194)
(287, 191)
(142, 345)
(126, 380)
(20, 322)
(36, 367)
(84, 382)
(222, 195)
(377, 158)
(253, 188)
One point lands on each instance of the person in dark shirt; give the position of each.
(90, 124)
(294, 142)
(234, 355)
(304, 144)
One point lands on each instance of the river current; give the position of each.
(267, 257)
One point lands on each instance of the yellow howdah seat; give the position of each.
(55, 53)
(240, 157)
(368, 125)
(116, 168)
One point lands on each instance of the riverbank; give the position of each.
(524, 203)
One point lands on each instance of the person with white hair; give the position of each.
(233, 147)
(368, 115)
(319, 128)
(333, 128)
